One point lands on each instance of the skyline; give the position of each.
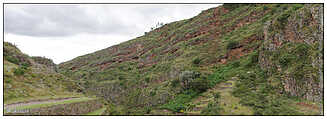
(63, 32)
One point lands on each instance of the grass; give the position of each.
(179, 104)
(56, 103)
(97, 112)
(22, 85)
(26, 99)
(230, 103)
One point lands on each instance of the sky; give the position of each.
(63, 32)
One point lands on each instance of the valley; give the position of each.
(234, 59)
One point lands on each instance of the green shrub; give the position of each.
(286, 59)
(148, 110)
(121, 78)
(302, 49)
(213, 108)
(7, 80)
(255, 92)
(180, 101)
(221, 74)
(231, 6)
(19, 71)
(196, 61)
(188, 76)
(252, 59)
(175, 83)
(12, 59)
(235, 64)
(216, 95)
(232, 44)
(297, 6)
(282, 20)
(199, 84)
(265, 8)
(153, 93)
(147, 79)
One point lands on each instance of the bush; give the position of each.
(192, 81)
(231, 6)
(12, 59)
(216, 95)
(285, 59)
(153, 93)
(180, 101)
(235, 64)
(265, 8)
(199, 85)
(232, 45)
(19, 71)
(196, 61)
(175, 83)
(212, 109)
(188, 76)
(297, 6)
(7, 80)
(302, 49)
(148, 110)
(254, 91)
(121, 78)
(147, 79)
(282, 21)
(252, 59)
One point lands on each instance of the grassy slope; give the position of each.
(26, 80)
(97, 112)
(55, 103)
(152, 64)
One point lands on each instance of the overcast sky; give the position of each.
(63, 32)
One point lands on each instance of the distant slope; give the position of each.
(168, 67)
(27, 78)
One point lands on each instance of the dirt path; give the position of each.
(227, 101)
(14, 105)
(230, 104)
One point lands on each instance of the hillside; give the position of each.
(273, 51)
(32, 86)
(26, 78)
(234, 59)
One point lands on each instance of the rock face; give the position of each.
(45, 61)
(292, 52)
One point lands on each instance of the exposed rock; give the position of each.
(304, 26)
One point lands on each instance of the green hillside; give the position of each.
(274, 50)
(26, 79)
(234, 59)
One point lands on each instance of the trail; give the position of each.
(20, 104)
(230, 104)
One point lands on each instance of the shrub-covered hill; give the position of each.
(273, 51)
(27, 78)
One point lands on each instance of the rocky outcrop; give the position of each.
(45, 61)
(292, 50)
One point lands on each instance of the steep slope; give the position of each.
(27, 78)
(167, 68)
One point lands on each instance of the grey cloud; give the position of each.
(68, 20)
(46, 20)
